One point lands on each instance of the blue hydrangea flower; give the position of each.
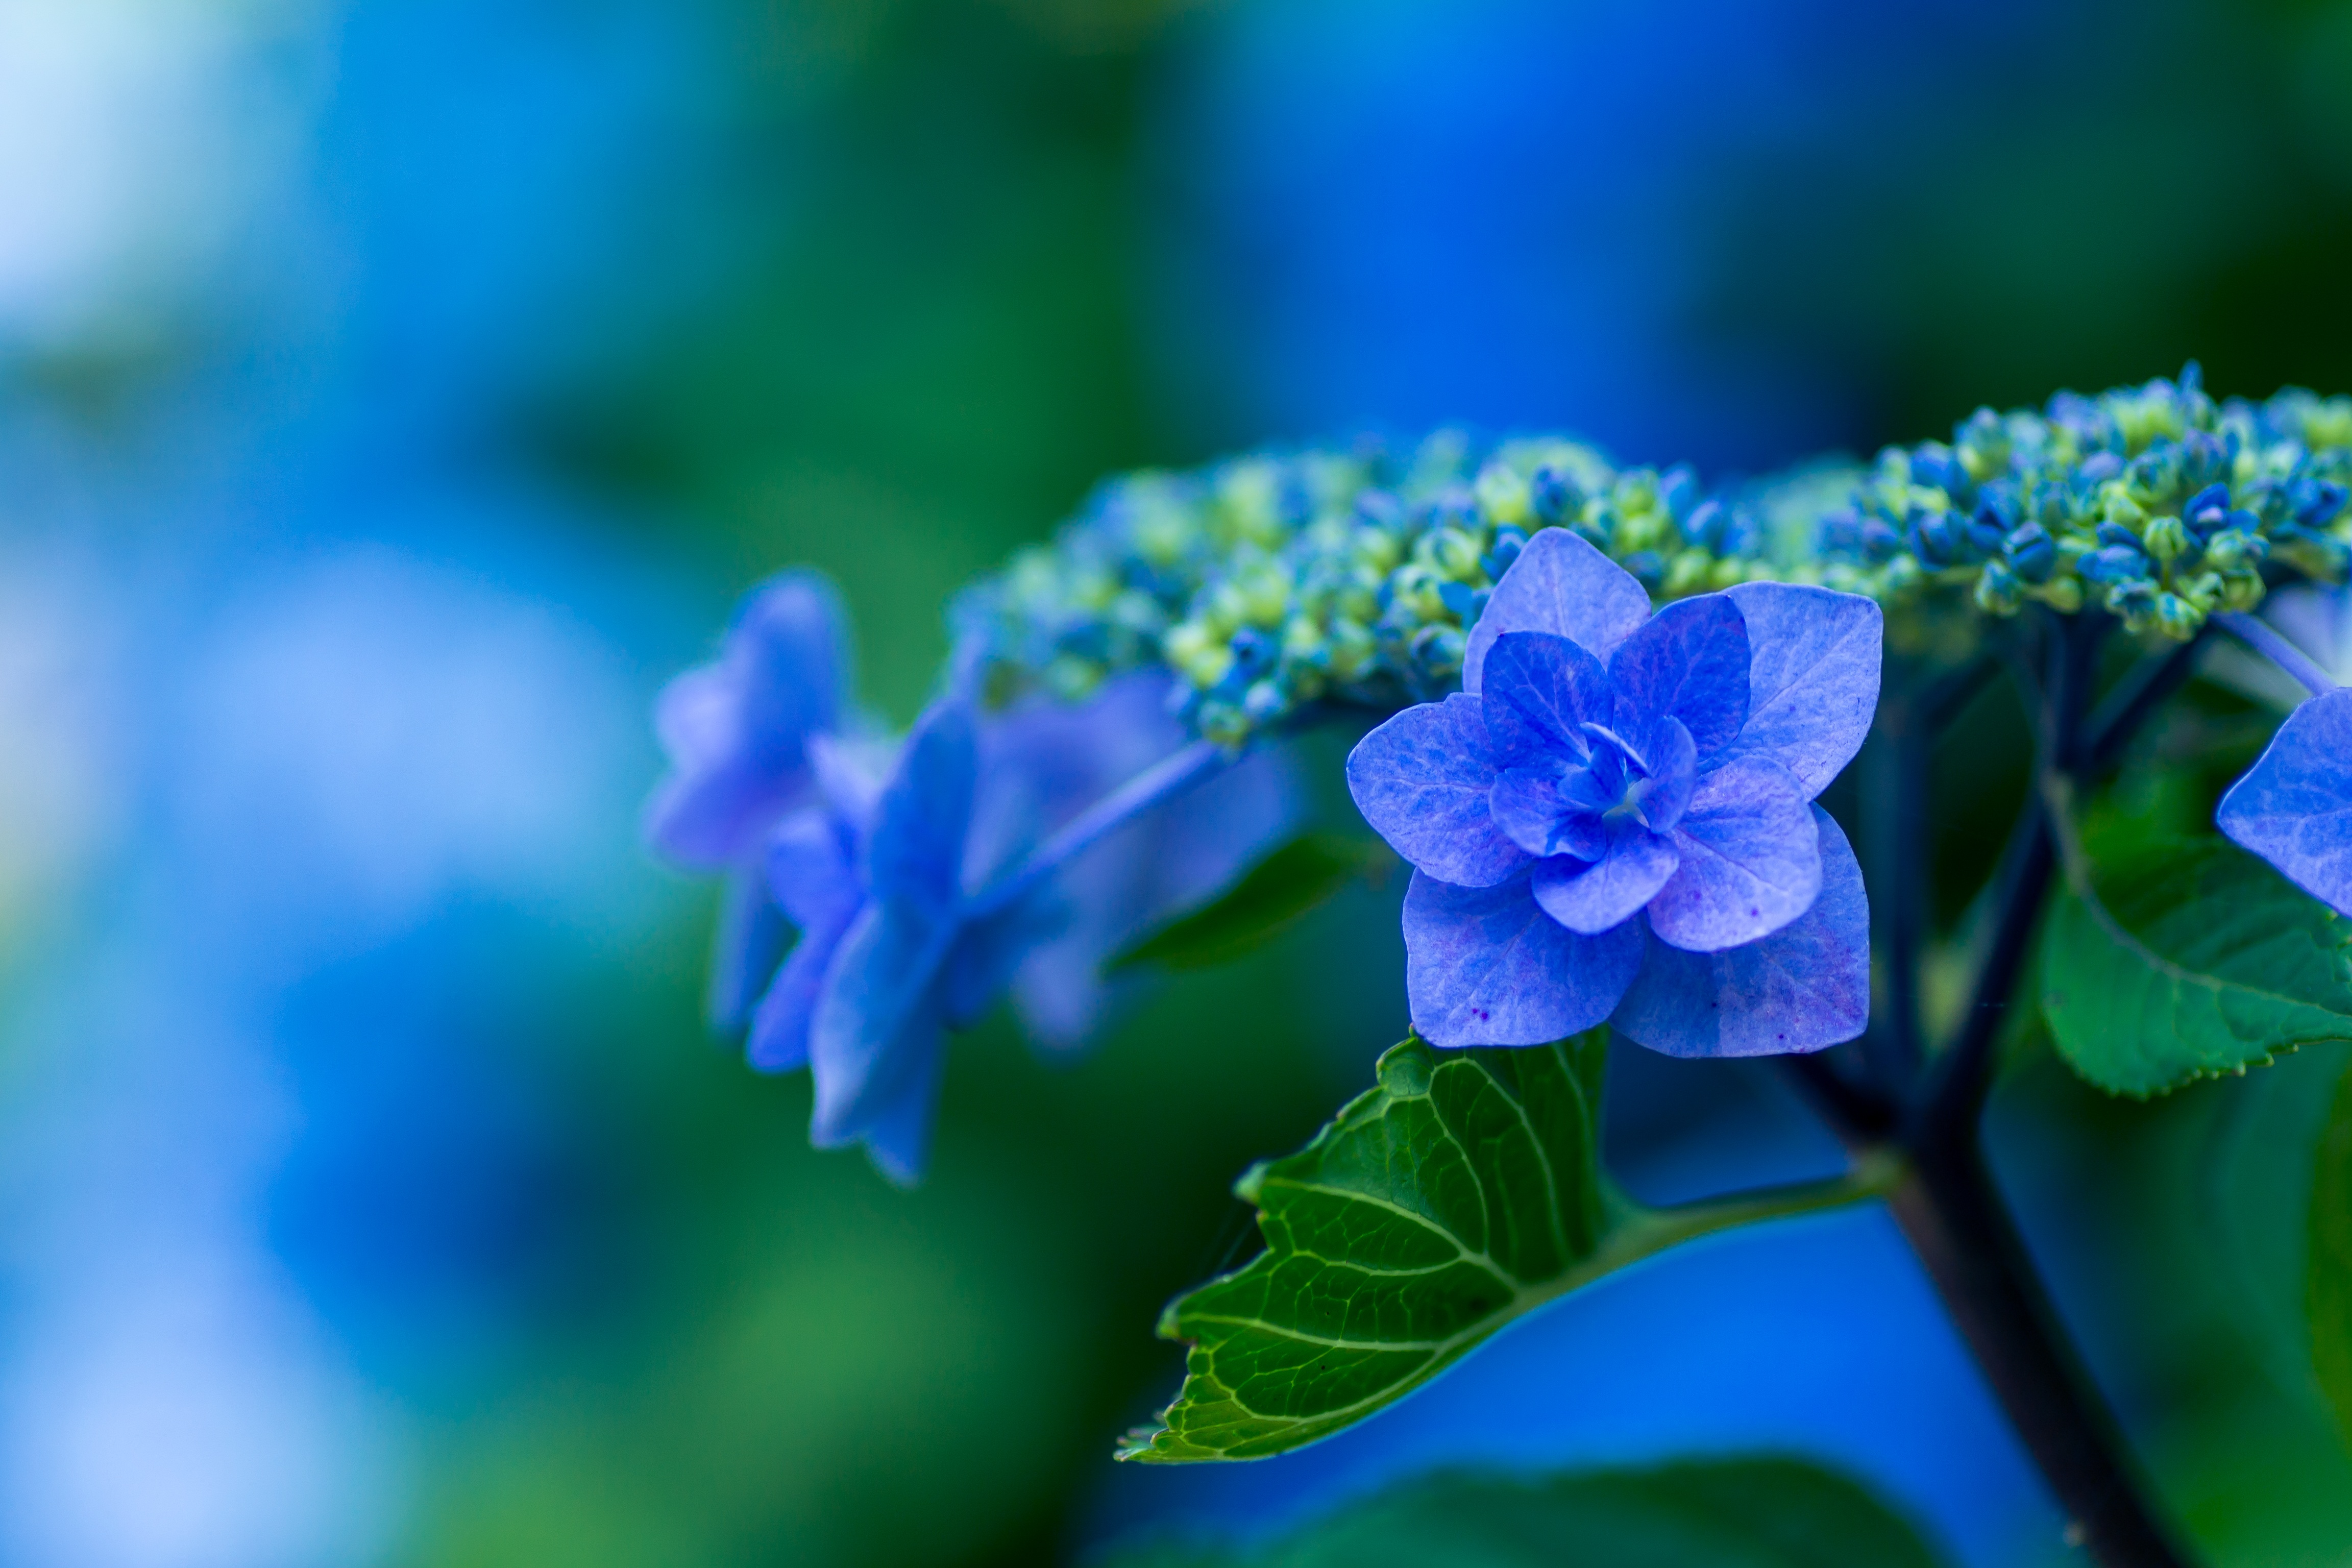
(1614, 818)
(928, 878)
(737, 734)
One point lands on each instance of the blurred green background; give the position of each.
(553, 326)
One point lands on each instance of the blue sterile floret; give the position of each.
(883, 890)
(1614, 819)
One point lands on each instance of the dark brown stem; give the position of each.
(1947, 1204)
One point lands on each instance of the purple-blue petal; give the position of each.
(876, 1003)
(1689, 661)
(1174, 858)
(1485, 966)
(751, 936)
(1540, 692)
(1560, 584)
(812, 868)
(1802, 988)
(2293, 807)
(736, 731)
(1671, 757)
(1549, 806)
(1812, 678)
(1592, 898)
(779, 1037)
(916, 851)
(1422, 780)
(897, 1136)
(1751, 858)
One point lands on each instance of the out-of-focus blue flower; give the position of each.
(1020, 849)
(1604, 762)
(736, 733)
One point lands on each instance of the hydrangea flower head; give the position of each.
(897, 876)
(1615, 793)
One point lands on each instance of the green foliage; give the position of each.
(1737, 1513)
(1462, 1191)
(2329, 1284)
(1263, 904)
(2185, 958)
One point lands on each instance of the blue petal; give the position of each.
(736, 731)
(1422, 780)
(1751, 858)
(916, 851)
(1540, 692)
(812, 870)
(1549, 806)
(1799, 989)
(1560, 584)
(779, 1039)
(1812, 678)
(1689, 661)
(2293, 807)
(1596, 898)
(876, 1005)
(751, 936)
(898, 1138)
(1485, 966)
(1670, 757)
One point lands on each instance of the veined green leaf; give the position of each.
(1730, 1513)
(1266, 901)
(2328, 1285)
(2190, 959)
(1461, 1192)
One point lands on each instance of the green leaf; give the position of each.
(1732, 1513)
(2190, 959)
(2329, 1284)
(1266, 901)
(1461, 1192)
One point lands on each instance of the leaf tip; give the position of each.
(1404, 1069)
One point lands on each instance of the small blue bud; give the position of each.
(1381, 509)
(1554, 496)
(2117, 536)
(2099, 468)
(1986, 530)
(2206, 510)
(2317, 502)
(2115, 564)
(1253, 652)
(2032, 554)
(1879, 539)
(1679, 492)
(1456, 597)
(1707, 524)
(1932, 539)
(1509, 542)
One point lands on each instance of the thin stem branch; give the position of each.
(1946, 1202)
(1163, 780)
(2267, 642)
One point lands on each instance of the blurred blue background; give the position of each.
(393, 395)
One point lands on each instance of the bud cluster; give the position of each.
(2153, 502)
(1280, 581)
